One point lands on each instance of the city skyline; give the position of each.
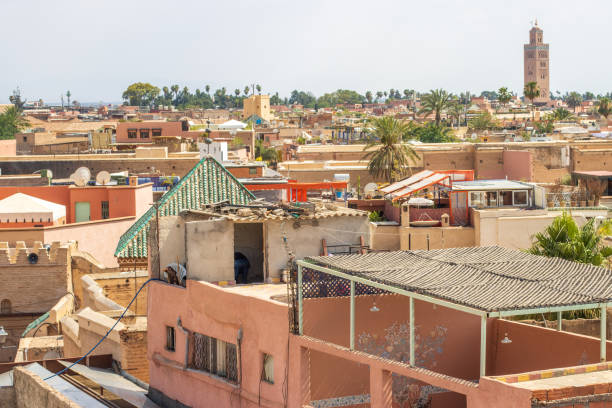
(96, 53)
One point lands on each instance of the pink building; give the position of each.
(383, 330)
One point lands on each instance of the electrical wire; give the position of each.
(107, 333)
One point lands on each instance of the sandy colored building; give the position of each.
(258, 106)
(537, 63)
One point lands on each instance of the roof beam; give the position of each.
(393, 289)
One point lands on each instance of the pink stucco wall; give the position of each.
(518, 165)
(535, 348)
(99, 238)
(220, 313)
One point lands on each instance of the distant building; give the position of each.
(258, 105)
(536, 63)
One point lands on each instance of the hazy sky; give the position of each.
(96, 48)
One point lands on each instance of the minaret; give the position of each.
(536, 62)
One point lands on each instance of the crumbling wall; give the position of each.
(32, 392)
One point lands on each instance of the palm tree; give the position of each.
(565, 239)
(207, 88)
(503, 95)
(561, 114)
(379, 95)
(573, 100)
(258, 87)
(531, 91)
(483, 121)
(175, 90)
(455, 111)
(392, 159)
(12, 122)
(436, 101)
(368, 96)
(604, 107)
(246, 90)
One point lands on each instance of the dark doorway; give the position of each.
(248, 241)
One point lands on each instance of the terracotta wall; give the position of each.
(535, 348)
(449, 340)
(518, 165)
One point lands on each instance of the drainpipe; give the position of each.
(179, 324)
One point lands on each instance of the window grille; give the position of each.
(214, 356)
(105, 210)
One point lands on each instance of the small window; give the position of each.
(519, 197)
(267, 372)
(170, 338)
(477, 199)
(105, 211)
(5, 307)
(144, 133)
(252, 171)
(132, 133)
(156, 132)
(25, 139)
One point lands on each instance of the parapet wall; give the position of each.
(32, 392)
(19, 254)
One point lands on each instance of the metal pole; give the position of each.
(559, 321)
(483, 345)
(411, 331)
(352, 328)
(300, 303)
(603, 329)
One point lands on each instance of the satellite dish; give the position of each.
(33, 258)
(103, 177)
(370, 188)
(81, 176)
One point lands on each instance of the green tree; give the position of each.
(573, 100)
(531, 91)
(12, 122)
(455, 111)
(562, 114)
(604, 107)
(140, 94)
(207, 88)
(379, 95)
(482, 121)
(392, 158)
(432, 133)
(565, 239)
(544, 127)
(68, 95)
(340, 96)
(368, 96)
(258, 87)
(503, 95)
(246, 90)
(436, 101)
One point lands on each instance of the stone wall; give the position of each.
(121, 287)
(7, 397)
(32, 392)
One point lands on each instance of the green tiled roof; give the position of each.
(207, 182)
(35, 323)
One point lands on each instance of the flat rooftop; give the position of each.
(487, 279)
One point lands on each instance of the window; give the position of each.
(477, 199)
(25, 139)
(5, 306)
(156, 132)
(170, 338)
(132, 133)
(267, 372)
(252, 171)
(214, 356)
(543, 64)
(144, 133)
(519, 197)
(105, 211)
(491, 198)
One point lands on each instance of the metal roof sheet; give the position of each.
(407, 181)
(490, 279)
(490, 185)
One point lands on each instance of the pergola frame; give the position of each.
(484, 315)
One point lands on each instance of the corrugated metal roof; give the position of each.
(426, 182)
(407, 181)
(490, 279)
(207, 182)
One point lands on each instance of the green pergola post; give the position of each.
(300, 302)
